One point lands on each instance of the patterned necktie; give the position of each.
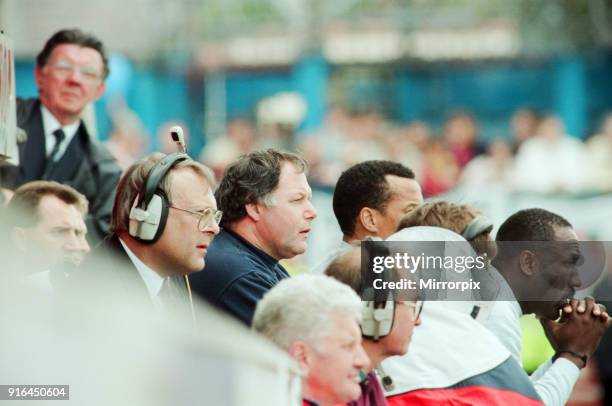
(50, 165)
(59, 138)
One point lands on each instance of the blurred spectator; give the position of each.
(315, 319)
(238, 140)
(267, 215)
(70, 73)
(440, 170)
(277, 118)
(128, 139)
(45, 221)
(523, 125)
(366, 135)
(461, 134)
(551, 161)
(493, 168)
(324, 149)
(407, 144)
(599, 149)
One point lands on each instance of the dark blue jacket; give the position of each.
(237, 274)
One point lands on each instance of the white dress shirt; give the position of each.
(153, 281)
(50, 125)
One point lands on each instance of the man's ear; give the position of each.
(253, 210)
(19, 237)
(528, 263)
(300, 352)
(99, 91)
(367, 218)
(38, 76)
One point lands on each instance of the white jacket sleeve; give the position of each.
(554, 381)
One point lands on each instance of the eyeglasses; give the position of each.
(417, 308)
(63, 69)
(205, 218)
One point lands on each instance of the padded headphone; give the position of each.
(377, 318)
(378, 307)
(150, 209)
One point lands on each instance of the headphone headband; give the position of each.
(479, 225)
(157, 173)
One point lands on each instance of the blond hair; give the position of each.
(454, 217)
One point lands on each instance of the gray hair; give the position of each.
(303, 308)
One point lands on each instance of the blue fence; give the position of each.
(577, 87)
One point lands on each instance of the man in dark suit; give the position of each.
(161, 236)
(70, 73)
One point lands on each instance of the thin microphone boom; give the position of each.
(176, 132)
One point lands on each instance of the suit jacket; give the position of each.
(86, 165)
(110, 269)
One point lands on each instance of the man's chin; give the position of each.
(189, 268)
(71, 107)
(298, 249)
(198, 268)
(348, 395)
(355, 392)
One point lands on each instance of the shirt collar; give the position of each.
(152, 279)
(50, 125)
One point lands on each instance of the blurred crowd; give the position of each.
(537, 155)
